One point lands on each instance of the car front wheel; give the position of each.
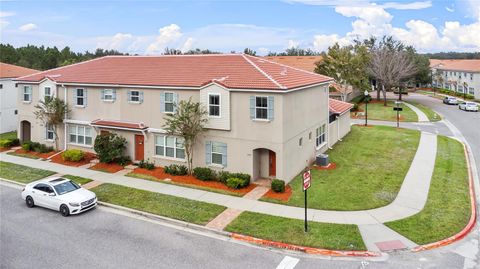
(64, 210)
(29, 201)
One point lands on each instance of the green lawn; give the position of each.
(371, 165)
(21, 173)
(9, 135)
(77, 179)
(447, 210)
(160, 204)
(320, 235)
(432, 115)
(377, 111)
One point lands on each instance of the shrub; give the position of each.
(26, 146)
(109, 147)
(73, 155)
(146, 165)
(204, 173)
(176, 170)
(123, 160)
(235, 183)
(5, 143)
(355, 107)
(224, 176)
(37, 147)
(278, 185)
(15, 142)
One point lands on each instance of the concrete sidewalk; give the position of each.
(410, 200)
(421, 116)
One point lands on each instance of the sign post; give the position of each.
(398, 109)
(307, 179)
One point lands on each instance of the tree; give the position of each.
(347, 65)
(439, 78)
(110, 147)
(295, 51)
(188, 122)
(52, 112)
(249, 52)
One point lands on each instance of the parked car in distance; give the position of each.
(59, 194)
(450, 101)
(468, 106)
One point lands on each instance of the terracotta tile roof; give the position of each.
(307, 63)
(339, 107)
(458, 65)
(14, 71)
(119, 124)
(236, 71)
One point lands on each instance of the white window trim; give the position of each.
(165, 149)
(219, 105)
(211, 157)
(47, 131)
(84, 135)
(29, 94)
(111, 94)
(83, 97)
(316, 137)
(165, 103)
(131, 95)
(261, 119)
(45, 95)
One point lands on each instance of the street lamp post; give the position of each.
(366, 107)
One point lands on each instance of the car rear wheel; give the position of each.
(64, 210)
(29, 201)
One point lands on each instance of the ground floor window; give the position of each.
(79, 134)
(169, 146)
(320, 135)
(471, 91)
(216, 153)
(49, 132)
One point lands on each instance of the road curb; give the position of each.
(307, 250)
(471, 222)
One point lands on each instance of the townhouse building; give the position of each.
(265, 119)
(462, 76)
(8, 95)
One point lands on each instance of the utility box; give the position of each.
(322, 160)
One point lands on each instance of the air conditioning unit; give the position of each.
(322, 160)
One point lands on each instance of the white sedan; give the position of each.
(59, 194)
(468, 106)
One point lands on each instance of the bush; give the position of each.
(204, 173)
(37, 147)
(146, 165)
(235, 183)
(123, 160)
(355, 107)
(278, 185)
(224, 176)
(73, 155)
(110, 147)
(176, 170)
(26, 146)
(5, 143)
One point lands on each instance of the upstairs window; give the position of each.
(135, 96)
(261, 107)
(80, 97)
(108, 95)
(27, 93)
(169, 104)
(214, 105)
(47, 93)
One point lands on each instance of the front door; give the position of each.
(139, 147)
(272, 159)
(26, 128)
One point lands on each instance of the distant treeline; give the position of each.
(453, 55)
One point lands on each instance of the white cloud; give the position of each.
(28, 27)
(188, 45)
(168, 36)
(322, 42)
(292, 44)
(450, 9)
(363, 3)
(407, 6)
(372, 14)
(4, 22)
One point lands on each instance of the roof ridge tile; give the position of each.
(264, 73)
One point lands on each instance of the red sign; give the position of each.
(306, 180)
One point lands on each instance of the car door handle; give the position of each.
(44, 194)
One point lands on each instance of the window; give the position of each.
(16, 112)
(214, 105)
(320, 135)
(261, 107)
(471, 91)
(27, 93)
(49, 132)
(310, 136)
(300, 141)
(47, 93)
(169, 146)
(471, 76)
(217, 153)
(80, 97)
(135, 96)
(169, 103)
(1, 86)
(108, 95)
(43, 187)
(81, 135)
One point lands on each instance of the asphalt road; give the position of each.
(105, 238)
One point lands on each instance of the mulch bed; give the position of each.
(88, 157)
(160, 174)
(36, 154)
(281, 196)
(363, 125)
(4, 149)
(107, 167)
(330, 166)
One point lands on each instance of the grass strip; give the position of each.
(291, 231)
(21, 173)
(447, 210)
(77, 179)
(159, 204)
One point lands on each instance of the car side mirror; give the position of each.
(51, 194)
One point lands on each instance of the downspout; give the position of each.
(338, 127)
(328, 118)
(65, 119)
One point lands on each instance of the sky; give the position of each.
(148, 27)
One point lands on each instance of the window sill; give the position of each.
(79, 106)
(108, 101)
(321, 146)
(134, 102)
(26, 102)
(262, 120)
(214, 117)
(50, 140)
(81, 145)
(218, 166)
(166, 112)
(169, 158)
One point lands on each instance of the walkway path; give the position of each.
(421, 116)
(410, 199)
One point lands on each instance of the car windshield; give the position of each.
(66, 187)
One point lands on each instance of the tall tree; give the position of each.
(249, 52)
(52, 112)
(188, 122)
(295, 51)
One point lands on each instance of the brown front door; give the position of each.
(139, 147)
(272, 164)
(26, 131)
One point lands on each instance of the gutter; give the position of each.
(65, 119)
